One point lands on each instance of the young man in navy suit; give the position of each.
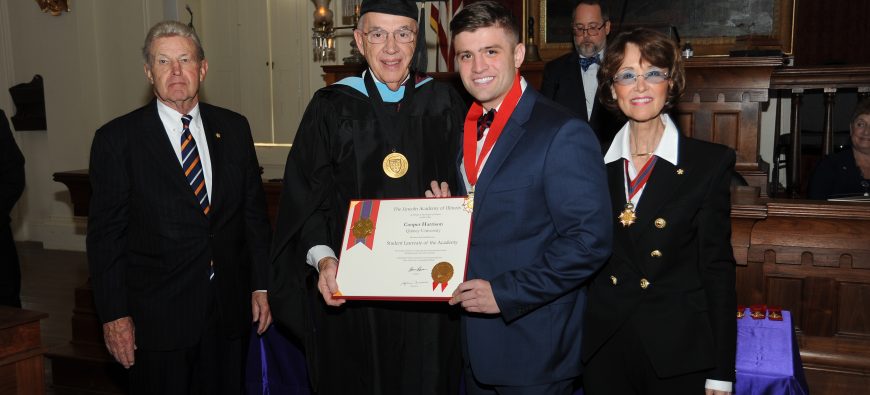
(541, 217)
(178, 235)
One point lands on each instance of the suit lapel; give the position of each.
(576, 79)
(509, 137)
(664, 182)
(156, 141)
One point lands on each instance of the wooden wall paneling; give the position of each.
(854, 314)
(724, 97)
(819, 306)
(786, 292)
(21, 352)
(816, 263)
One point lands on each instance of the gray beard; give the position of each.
(589, 47)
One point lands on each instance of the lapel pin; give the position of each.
(217, 135)
(680, 172)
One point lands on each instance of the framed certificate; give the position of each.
(404, 249)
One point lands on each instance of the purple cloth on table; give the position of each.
(275, 366)
(768, 359)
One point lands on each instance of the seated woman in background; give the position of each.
(846, 173)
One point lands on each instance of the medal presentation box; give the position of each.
(404, 249)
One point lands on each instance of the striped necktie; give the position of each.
(193, 171)
(192, 165)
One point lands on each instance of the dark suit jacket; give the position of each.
(541, 228)
(563, 83)
(686, 314)
(150, 244)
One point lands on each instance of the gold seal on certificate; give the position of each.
(442, 272)
(627, 216)
(362, 228)
(395, 165)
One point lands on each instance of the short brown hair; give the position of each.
(656, 48)
(485, 14)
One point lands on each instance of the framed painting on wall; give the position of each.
(714, 27)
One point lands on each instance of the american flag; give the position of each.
(442, 44)
(438, 20)
(455, 6)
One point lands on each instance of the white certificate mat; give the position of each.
(404, 249)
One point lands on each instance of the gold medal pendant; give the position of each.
(627, 216)
(468, 204)
(395, 165)
(362, 228)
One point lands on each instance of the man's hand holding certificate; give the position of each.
(404, 249)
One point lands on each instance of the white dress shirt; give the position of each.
(171, 120)
(590, 84)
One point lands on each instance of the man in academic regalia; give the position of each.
(386, 134)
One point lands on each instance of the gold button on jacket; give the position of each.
(644, 283)
(655, 254)
(661, 223)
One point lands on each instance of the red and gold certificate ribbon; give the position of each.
(362, 229)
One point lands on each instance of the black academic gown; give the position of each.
(363, 347)
(11, 186)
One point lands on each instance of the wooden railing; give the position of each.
(794, 82)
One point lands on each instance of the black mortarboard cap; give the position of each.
(406, 8)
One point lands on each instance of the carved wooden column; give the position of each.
(794, 161)
(828, 132)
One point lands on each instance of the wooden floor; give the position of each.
(48, 278)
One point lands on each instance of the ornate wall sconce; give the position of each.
(55, 7)
(324, 31)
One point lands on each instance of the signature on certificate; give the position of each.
(413, 284)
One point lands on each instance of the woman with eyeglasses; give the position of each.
(661, 313)
(846, 173)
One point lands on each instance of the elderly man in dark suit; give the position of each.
(541, 225)
(11, 186)
(178, 236)
(572, 79)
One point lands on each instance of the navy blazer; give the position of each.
(681, 245)
(150, 244)
(541, 228)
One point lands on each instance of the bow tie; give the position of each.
(484, 122)
(586, 62)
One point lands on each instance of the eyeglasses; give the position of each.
(402, 36)
(592, 30)
(630, 77)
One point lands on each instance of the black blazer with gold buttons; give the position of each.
(672, 272)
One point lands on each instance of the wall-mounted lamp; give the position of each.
(55, 7)
(324, 31)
